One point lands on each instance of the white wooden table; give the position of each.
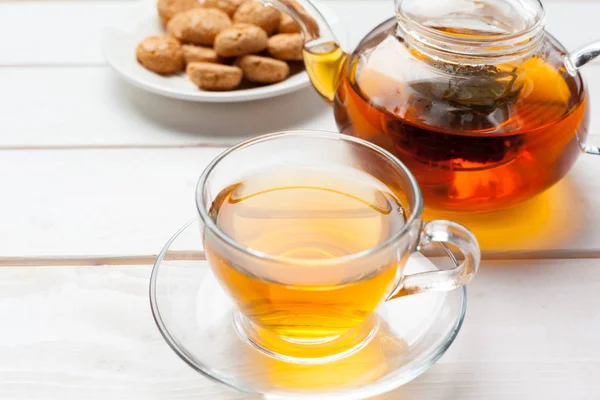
(96, 176)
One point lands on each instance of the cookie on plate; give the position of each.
(263, 69)
(160, 54)
(289, 25)
(240, 39)
(193, 53)
(198, 26)
(286, 46)
(227, 6)
(168, 8)
(252, 12)
(209, 76)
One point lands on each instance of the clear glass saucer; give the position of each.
(197, 320)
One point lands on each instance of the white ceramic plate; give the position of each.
(121, 38)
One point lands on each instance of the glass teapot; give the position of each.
(474, 96)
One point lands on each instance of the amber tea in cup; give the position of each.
(308, 242)
(308, 214)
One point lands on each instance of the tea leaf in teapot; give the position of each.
(481, 110)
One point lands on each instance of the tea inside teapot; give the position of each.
(473, 141)
(484, 106)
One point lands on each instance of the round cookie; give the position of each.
(193, 53)
(252, 12)
(227, 6)
(209, 76)
(168, 8)
(198, 26)
(263, 69)
(240, 39)
(286, 46)
(288, 25)
(160, 54)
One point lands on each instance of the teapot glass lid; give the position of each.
(483, 18)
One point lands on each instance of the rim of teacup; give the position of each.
(208, 222)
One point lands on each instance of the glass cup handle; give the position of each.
(450, 233)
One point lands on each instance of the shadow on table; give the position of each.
(545, 225)
(228, 123)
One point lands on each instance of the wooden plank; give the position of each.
(69, 32)
(130, 201)
(56, 107)
(96, 202)
(86, 332)
(56, 33)
(91, 107)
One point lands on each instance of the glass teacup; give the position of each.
(309, 232)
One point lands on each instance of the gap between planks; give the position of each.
(94, 261)
(224, 145)
(57, 65)
(593, 139)
(189, 255)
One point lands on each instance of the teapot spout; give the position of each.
(323, 56)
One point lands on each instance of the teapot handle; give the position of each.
(591, 149)
(574, 62)
(582, 56)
